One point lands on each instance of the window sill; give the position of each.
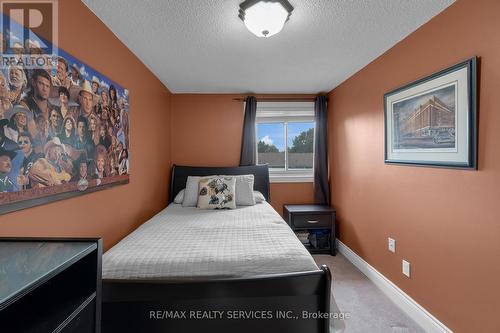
(281, 178)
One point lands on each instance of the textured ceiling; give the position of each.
(202, 46)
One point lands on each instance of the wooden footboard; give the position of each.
(292, 303)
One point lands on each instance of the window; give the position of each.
(285, 140)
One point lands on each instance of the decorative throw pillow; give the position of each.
(191, 193)
(217, 193)
(179, 198)
(244, 190)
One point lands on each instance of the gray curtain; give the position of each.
(321, 187)
(248, 146)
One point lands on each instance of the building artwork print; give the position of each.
(433, 121)
(426, 121)
(64, 127)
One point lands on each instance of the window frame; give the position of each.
(286, 112)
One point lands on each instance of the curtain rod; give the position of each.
(279, 99)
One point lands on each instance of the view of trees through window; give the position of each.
(297, 138)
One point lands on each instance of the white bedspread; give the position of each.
(186, 242)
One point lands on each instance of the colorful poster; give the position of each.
(64, 127)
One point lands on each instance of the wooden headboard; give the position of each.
(180, 173)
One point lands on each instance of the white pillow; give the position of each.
(217, 193)
(191, 193)
(180, 196)
(259, 197)
(244, 190)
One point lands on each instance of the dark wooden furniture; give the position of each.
(312, 217)
(180, 173)
(275, 300)
(50, 285)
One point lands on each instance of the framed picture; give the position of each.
(64, 126)
(433, 121)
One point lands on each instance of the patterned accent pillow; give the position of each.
(191, 194)
(217, 193)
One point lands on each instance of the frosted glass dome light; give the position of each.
(265, 18)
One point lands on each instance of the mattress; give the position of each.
(189, 243)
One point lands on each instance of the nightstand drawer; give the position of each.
(312, 220)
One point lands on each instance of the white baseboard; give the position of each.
(414, 310)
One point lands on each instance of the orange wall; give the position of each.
(207, 130)
(114, 212)
(291, 193)
(446, 222)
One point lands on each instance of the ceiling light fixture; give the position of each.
(265, 18)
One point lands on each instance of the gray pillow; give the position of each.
(180, 196)
(191, 192)
(259, 197)
(244, 190)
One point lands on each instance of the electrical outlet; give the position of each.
(391, 244)
(406, 268)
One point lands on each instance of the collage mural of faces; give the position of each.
(63, 126)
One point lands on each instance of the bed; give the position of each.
(191, 270)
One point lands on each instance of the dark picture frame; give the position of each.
(433, 121)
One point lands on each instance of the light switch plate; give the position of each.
(406, 268)
(391, 244)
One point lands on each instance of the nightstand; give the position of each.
(312, 219)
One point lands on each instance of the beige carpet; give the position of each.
(365, 307)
